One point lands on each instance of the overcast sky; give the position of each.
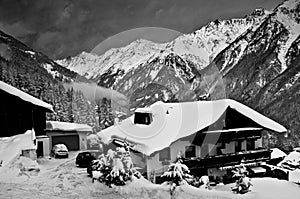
(60, 28)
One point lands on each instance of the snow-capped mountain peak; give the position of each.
(288, 14)
(199, 47)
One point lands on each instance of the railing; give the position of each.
(228, 159)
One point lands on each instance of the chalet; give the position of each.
(20, 112)
(212, 137)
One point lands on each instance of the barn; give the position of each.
(73, 135)
(20, 112)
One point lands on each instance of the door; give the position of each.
(40, 149)
(71, 141)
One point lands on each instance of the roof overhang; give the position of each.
(25, 97)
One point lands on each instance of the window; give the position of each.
(165, 154)
(238, 146)
(142, 118)
(190, 151)
(250, 144)
(221, 148)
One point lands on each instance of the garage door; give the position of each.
(71, 141)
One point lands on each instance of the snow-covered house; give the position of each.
(22, 117)
(73, 135)
(211, 136)
(20, 112)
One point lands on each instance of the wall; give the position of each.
(83, 140)
(177, 147)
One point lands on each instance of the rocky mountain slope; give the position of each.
(167, 71)
(199, 47)
(261, 68)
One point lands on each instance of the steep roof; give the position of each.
(66, 126)
(172, 121)
(24, 96)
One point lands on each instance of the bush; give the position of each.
(117, 167)
(177, 174)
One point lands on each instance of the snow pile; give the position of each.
(291, 161)
(11, 147)
(277, 153)
(142, 188)
(19, 170)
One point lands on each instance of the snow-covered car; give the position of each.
(60, 150)
(83, 159)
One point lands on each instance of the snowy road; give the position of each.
(58, 178)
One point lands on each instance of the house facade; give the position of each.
(210, 136)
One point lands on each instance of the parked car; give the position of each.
(60, 150)
(83, 159)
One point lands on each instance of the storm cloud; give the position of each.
(60, 28)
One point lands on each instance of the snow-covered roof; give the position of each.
(24, 96)
(172, 121)
(66, 126)
(277, 153)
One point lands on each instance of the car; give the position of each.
(83, 159)
(60, 150)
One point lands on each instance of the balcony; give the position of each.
(228, 159)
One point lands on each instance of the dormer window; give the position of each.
(143, 116)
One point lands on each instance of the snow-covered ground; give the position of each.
(60, 178)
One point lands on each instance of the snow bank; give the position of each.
(142, 188)
(294, 176)
(11, 147)
(271, 188)
(19, 170)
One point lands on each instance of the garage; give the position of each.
(71, 141)
(73, 135)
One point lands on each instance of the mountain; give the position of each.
(261, 68)
(198, 47)
(167, 71)
(254, 60)
(41, 77)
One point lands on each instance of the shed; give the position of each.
(20, 112)
(73, 135)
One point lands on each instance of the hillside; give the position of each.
(261, 68)
(41, 77)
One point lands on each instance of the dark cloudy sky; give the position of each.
(60, 28)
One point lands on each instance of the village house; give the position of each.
(211, 136)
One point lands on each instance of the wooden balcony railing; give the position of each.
(228, 159)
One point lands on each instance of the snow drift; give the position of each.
(11, 147)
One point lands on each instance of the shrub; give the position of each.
(117, 167)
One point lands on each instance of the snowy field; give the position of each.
(60, 178)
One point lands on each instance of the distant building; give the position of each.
(73, 135)
(20, 112)
(212, 137)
